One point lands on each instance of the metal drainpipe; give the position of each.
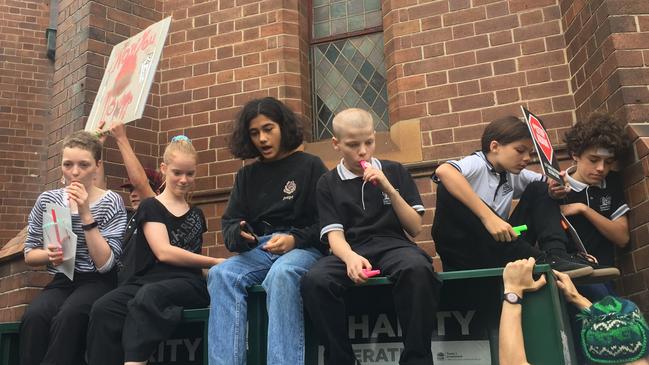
(50, 32)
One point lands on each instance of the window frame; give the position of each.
(313, 42)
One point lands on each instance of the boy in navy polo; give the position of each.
(595, 206)
(363, 215)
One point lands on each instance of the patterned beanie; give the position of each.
(613, 331)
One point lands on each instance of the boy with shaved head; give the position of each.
(364, 207)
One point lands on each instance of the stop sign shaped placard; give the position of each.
(541, 138)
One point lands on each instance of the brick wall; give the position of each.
(608, 51)
(25, 80)
(634, 260)
(459, 64)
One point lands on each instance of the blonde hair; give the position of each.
(351, 118)
(178, 146)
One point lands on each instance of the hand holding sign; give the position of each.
(543, 147)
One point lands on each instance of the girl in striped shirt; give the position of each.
(54, 325)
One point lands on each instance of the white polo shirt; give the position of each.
(496, 189)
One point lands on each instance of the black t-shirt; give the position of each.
(363, 211)
(275, 196)
(185, 232)
(607, 200)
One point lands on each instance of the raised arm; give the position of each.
(136, 174)
(409, 218)
(517, 279)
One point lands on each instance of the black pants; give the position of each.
(128, 323)
(415, 293)
(463, 242)
(53, 329)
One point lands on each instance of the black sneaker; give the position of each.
(565, 265)
(600, 273)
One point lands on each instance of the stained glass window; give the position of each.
(333, 17)
(348, 69)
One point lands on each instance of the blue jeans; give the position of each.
(280, 276)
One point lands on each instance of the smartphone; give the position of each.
(248, 229)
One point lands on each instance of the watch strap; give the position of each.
(89, 226)
(512, 298)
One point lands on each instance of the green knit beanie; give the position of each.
(613, 331)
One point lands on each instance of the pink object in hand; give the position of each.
(364, 164)
(370, 273)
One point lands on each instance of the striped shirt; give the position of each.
(108, 212)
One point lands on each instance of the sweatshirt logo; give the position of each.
(289, 189)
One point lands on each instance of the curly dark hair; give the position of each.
(600, 130)
(241, 145)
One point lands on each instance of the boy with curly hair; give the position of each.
(595, 206)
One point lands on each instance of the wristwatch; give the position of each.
(512, 298)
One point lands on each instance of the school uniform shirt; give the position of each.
(109, 213)
(361, 210)
(275, 196)
(185, 231)
(496, 189)
(606, 199)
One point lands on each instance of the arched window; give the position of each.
(348, 68)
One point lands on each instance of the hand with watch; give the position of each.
(517, 279)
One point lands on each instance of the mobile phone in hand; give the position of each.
(248, 229)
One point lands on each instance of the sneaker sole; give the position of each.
(578, 273)
(600, 276)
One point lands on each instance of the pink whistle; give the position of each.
(364, 164)
(370, 273)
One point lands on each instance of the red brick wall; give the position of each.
(459, 64)
(608, 51)
(634, 260)
(25, 82)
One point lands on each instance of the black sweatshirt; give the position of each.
(275, 196)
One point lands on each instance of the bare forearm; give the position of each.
(98, 247)
(616, 231)
(408, 217)
(179, 257)
(338, 244)
(37, 257)
(511, 346)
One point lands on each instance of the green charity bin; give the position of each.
(466, 331)
(9, 345)
(187, 344)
